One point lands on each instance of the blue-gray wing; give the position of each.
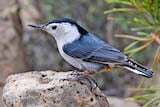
(105, 55)
(91, 49)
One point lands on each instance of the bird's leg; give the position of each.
(94, 81)
(74, 76)
(80, 77)
(91, 82)
(87, 73)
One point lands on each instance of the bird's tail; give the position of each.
(137, 68)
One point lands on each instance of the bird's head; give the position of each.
(63, 29)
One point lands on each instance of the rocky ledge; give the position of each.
(49, 89)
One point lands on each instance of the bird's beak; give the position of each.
(38, 26)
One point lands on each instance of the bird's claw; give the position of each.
(74, 76)
(79, 77)
(77, 73)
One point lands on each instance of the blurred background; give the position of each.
(24, 49)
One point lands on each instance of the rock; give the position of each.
(48, 89)
(119, 102)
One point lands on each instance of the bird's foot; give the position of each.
(76, 73)
(73, 76)
(81, 77)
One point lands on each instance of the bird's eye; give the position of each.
(54, 27)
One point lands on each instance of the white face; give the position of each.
(63, 32)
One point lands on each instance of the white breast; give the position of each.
(68, 37)
(79, 63)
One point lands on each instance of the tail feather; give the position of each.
(138, 68)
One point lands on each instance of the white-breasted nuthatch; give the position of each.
(85, 51)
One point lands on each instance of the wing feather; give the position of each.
(105, 56)
(91, 49)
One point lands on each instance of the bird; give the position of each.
(87, 52)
